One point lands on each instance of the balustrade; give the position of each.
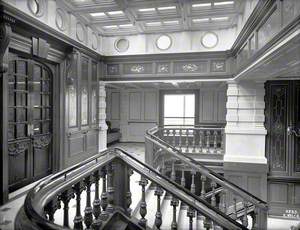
(175, 147)
(111, 173)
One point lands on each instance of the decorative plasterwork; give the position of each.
(37, 7)
(218, 66)
(121, 45)
(137, 69)
(61, 19)
(189, 68)
(113, 69)
(80, 32)
(163, 68)
(94, 41)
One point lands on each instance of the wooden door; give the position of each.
(283, 146)
(29, 121)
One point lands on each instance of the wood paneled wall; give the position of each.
(134, 111)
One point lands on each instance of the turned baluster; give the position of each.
(88, 211)
(158, 216)
(174, 203)
(254, 216)
(234, 216)
(173, 173)
(66, 196)
(51, 208)
(191, 215)
(194, 140)
(143, 205)
(207, 223)
(215, 141)
(78, 188)
(128, 194)
(213, 196)
(180, 141)
(222, 204)
(104, 202)
(193, 186)
(182, 181)
(174, 137)
(203, 179)
(163, 166)
(200, 140)
(187, 141)
(97, 203)
(110, 189)
(222, 142)
(245, 217)
(207, 140)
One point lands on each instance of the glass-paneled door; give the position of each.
(29, 121)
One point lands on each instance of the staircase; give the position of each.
(114, 190)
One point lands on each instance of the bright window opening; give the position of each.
(179, 109)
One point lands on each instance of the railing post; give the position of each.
(88, 211)
(149, 151)
(143, 205)
(97, 203)
(261, 219)
(174, 203)
(158, 216)
(78, 188)
(66, 196)
(110, 189)
(104, 203)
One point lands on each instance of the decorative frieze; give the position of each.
(163, 68)
(113, 69)
(15, 149)
(218, 66)
(138, 68)
(190, 67)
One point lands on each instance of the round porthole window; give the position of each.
(36, 7)
(209, 40)
(121, 44)
(60, 19)
(79, 31)
(163, 42)
(94, 41)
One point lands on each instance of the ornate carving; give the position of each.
(15, 149)
(41, 141)
(218, 66)
(113, 69)
(137, 69)
(163, 68)
(189, 68)
(71, 60)
(5, 36)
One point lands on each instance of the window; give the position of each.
(179, 109)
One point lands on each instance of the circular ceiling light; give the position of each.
(164, 42)
(209, 40)
(121, 45)
(37, 7)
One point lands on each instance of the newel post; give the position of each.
(149, 151)
(121, 182)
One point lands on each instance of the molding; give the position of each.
(245, 159)
(5, 38)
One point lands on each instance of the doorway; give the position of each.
(283, 147)
(30, 122)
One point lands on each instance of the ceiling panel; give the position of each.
(126, 17)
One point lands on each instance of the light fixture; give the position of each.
(126, 26)
(171, 22)
(201, 5)
(167, 8)
(220, 19)
(197, 20)
(110, 27)
(146, 10)
(115, 12)
(97, 14)
(153, 23)
(223, 3)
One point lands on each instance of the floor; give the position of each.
(9, 211)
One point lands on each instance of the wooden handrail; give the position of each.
(204, 170)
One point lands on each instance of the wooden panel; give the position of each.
(277, 129)
(297, 194)
(220, 106)
(254, 182)
(150, 106)
(135, 99)
(278, 193)
(296, 152)
(92, 142)
(115, 106)
(76, 145)
(207, 106)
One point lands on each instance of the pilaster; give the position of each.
(102, 117)
(245, 163)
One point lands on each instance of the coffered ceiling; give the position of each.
(126, 17)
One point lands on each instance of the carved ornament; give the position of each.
(5, 36)
(137, 69)
(41, 141)
(190, 68)
(16, 148)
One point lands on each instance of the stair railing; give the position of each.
(47, 206)
(231, 199)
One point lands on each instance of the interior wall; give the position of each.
(134, 111)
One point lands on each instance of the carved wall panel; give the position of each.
(138, 68)
(190, 67)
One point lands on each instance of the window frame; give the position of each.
(162, 94)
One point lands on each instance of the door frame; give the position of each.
(58, 104)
